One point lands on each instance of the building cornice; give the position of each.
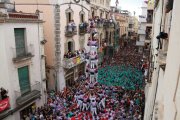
(12, 20)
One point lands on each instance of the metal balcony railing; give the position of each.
(29, 94)
(83, 28)
(74, 61)
(149, 20)
(106, 24)
(23, 53)
(162, 55)
(70, 30)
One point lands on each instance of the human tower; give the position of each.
(92, 56)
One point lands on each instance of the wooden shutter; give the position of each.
(20, 42)
(24, 83)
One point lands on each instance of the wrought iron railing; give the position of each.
(23, 52)
(70, 30)
(36, 86)
(71, 62)
(83, 28)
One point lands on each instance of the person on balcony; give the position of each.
(69, 27)
(73, 25)
(3, 93)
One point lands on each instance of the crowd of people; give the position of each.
(117, 95)
(88, 101)
(128, 55)
(126, 76)
(74, 54)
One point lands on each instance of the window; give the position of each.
(101, 14)
(69, 17)
(82, 18)
(70, 46)
(106, 15)
(20, 41)
(24, 83)
(92, 14)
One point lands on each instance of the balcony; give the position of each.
(27, 97)
(162, 55)
(99, 24)
(147, 38)
(150, 20)
(70, 31)
(74, 61)
(106, 24)
(83, 28)
(111, 24)
(22, 54)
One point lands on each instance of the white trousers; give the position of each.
(85, 107)
(80, 104)
(94, 110)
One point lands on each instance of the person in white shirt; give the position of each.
(93, 107)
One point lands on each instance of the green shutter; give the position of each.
(24, 83)
(20, 42)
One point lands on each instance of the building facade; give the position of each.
(162, 90)
(66, 32)
(142, 28)
(22, 72)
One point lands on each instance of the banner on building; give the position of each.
(4, 104)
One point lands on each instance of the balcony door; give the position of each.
(20, 41)
(24, 82)
(70, 46)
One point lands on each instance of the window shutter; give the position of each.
(24, 83)
(20, 42)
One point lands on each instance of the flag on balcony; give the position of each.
(4, 104)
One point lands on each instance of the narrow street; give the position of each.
(89, 60)
(118, 94)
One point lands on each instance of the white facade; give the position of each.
(162, 94)
(142, 27)
(9, 79)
